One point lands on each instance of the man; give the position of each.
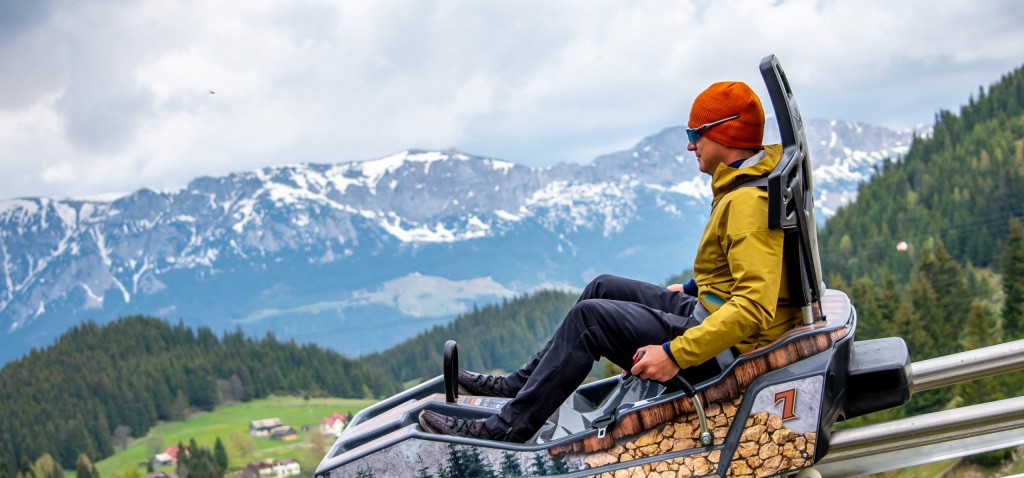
(736, 302)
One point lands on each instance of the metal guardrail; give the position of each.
(925, 438)
(965, 366)
(940, 435)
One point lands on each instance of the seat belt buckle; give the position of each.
(602, 424)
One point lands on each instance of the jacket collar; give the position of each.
(757, 166)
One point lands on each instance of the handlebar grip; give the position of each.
(681, 383)
(451, 371)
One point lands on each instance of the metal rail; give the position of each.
(965, 366)
(940, 435)
(925, 438)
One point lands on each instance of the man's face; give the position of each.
(709, 154)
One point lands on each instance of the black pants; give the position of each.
(612, 318)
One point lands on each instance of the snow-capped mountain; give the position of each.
(846, 154)
(359, 255)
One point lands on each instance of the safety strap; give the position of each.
(757, 183)
(726, 357)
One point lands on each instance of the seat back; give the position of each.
(791, 196)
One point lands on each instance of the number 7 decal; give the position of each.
(788, 399)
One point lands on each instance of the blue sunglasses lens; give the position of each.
(692, 135)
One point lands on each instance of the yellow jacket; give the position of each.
(738, 269)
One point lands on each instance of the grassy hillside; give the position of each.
(230, 419)
(73, 396)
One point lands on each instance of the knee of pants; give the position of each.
(602, 278)
(586, 313)
(590, 291)
(589, 318)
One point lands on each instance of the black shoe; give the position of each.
(484, 385)
(437, 423)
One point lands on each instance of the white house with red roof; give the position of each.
(333, 425)
(168, 457)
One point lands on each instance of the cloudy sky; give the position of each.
(103, 96)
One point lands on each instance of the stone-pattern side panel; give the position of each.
(694, 465)
(679, 434)
(766, 447)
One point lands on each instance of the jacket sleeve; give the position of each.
(755, 262)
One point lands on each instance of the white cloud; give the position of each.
(117, 96)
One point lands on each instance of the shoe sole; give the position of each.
(426, 426)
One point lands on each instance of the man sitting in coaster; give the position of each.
(737, 301)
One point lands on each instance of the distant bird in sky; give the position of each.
(213, 92)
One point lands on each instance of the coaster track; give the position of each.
(941, 435)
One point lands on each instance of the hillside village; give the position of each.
(165, 463)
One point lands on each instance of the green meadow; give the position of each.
(232, 420)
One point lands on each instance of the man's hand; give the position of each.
(652, 363)
(675, 287)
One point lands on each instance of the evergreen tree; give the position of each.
(908, 325)
(914, 311)
(27, 470)
(5, 471)
(198, 462)
(47, 467)
(423, 473)
(84, 467)
(455, 467)
(950, 299)
(476, 467)
(559, 466)
(887, 301)
(182, 465)
(510, 465)
(1013, 283)
(980, 330)
(870, 324)
(220, 455)
(465, 462)
(540, 464)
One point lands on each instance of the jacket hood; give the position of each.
(728, 178)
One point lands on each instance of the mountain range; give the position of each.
(358, 256)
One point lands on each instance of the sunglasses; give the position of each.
(693, 134)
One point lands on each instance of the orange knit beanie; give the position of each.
(725, 99)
